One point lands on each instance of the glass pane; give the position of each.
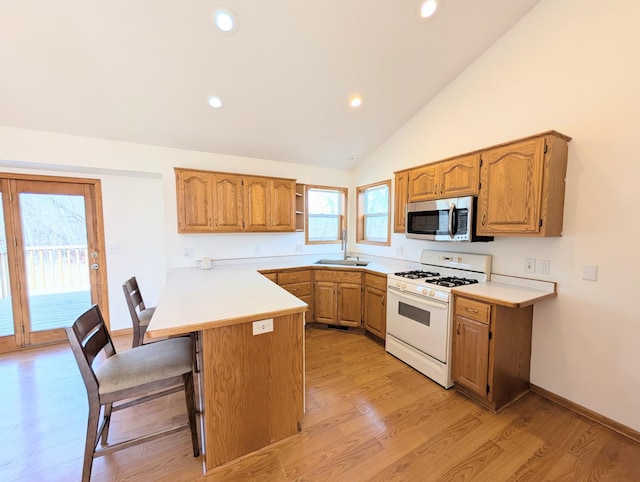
(376, 200)
(56, 258)
(376, 227)
(6, 311)
(323, 228)
(323, 201)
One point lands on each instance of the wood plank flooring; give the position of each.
(369, 418)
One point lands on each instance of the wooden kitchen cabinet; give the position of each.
(269, 204)
(297, 282)
(337, 297)
(375, 305)
(451, 178)
(400, 201)
(194, 192)
(522, 187)
(228, 198)
(216, 202)
(491, 351)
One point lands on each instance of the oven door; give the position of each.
(419, 322)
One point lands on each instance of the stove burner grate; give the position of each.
(416, 274)
(452, 281)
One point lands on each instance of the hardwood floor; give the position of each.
(369, 417)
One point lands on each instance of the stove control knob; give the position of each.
(431, 292)
(404, 286)
(424, 291)
(398, 284)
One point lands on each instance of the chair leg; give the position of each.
(136, 338)
(189, 394)
(92, 439)
(107, 423)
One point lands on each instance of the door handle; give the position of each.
(94, 266)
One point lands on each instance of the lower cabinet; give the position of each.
(298, 283)
(491, 351)
(374, 305)
(337, 297)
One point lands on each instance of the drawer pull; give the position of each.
(471, 310)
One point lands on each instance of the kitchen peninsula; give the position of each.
(252, 376)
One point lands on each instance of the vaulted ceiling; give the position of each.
(143, 70)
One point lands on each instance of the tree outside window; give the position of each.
(325, 214)
(373, 213)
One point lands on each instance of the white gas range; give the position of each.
(419, 309)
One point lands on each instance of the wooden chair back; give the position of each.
(135, 303)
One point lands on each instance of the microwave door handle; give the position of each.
(452, 214)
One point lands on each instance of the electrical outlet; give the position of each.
(262, 326)
(399, 251)
(188, 252)
(298, 248)
(114, 249)
(590, 272)
(543, 266)
(529, 265)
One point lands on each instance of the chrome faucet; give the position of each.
(343, 237)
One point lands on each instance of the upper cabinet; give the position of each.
(214, 202)
(522, 187)
(451, 178)
(400, 201)
(194, 191)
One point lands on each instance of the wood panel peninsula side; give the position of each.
(252, 385)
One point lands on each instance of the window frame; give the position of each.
(361, 215)
(342, 216)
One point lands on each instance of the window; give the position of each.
(373, 214)
(326, 218)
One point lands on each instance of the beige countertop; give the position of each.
(509, 291)
(195, 299)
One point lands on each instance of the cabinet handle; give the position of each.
(383, 300)
(458, 329)
(484, 218)
(471, 310)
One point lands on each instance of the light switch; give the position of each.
(590, 272)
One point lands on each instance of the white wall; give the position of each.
(572, 66)
(139, 204)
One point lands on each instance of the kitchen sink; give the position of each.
(343, 262)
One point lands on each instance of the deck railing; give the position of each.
(50, 269)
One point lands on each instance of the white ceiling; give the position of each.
(142, 70)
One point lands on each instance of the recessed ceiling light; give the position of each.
(225, 20)
(215, 102)
(355, 101)
(428, 8)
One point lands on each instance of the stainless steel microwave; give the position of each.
(444, 220)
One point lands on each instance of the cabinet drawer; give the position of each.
(379, 282)
(476, 310)
(272, 276)
(298, 289)
(287, 277)
(338, 276)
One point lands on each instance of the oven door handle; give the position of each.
(416, 299)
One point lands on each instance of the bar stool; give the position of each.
(136, 375)
(140, 314)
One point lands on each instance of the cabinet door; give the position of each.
(510, 197)
(423, 183)
(400, 202)
(375, 314)
(227, 203)
(194, 193)
(325, 302)
(349, 304)
(257, 198)
(460, 176)
(283, 205)
(471, 354)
